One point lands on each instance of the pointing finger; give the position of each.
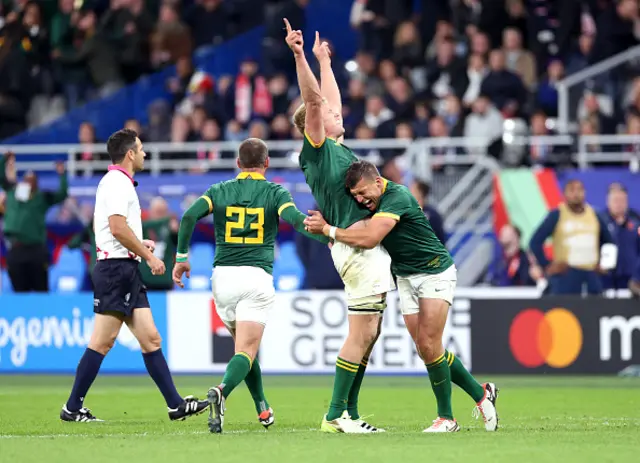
(317, 38)
(287, 25)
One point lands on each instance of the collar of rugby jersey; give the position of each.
(384, 184)
(114, 167)
(251, 175)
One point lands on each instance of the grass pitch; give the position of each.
(542, 419)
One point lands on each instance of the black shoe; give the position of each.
(191, 406)
(81, 416)
(216, 399)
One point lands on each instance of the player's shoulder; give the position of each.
(397, 192)
(115, 182)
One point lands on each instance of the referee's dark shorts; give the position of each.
(118, 287)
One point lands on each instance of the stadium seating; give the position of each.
(68, 273)
(201, 259)
(288, 272)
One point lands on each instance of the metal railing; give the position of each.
(589, 73)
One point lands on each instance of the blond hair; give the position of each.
(299, 117)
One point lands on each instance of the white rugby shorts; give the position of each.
(364, 272)
(242, 293)
(425, 286)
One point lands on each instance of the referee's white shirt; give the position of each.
(116, 195)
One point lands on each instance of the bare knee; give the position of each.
(150, 342)
(102, 344)
(364, 335)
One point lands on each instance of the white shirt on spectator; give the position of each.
(116, 195)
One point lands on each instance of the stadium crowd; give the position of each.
(459, 71)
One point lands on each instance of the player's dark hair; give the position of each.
(120, 143)
(359, 170)
(253, 153)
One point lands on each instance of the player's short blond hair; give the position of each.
(299, 117)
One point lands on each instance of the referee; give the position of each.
(119, 294)
(24, 225)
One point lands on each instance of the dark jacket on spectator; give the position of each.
(627, 238)
(502, 87)
(512, 271)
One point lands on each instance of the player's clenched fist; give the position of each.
(315, 223)
(294, 39)
(321, 50)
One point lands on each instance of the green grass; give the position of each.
(542, 419)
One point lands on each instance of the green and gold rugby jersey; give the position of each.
(412, 244)
(325, 167)
(246, 214)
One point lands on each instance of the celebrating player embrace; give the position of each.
(426, 282)
(366, 273)
(246, 215)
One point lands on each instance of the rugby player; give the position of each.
(246, 214)
(426, 282)
(119, 294)
(366, 273)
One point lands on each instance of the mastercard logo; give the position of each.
(551, 338)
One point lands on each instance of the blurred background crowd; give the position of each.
(420, 69)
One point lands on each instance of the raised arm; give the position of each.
(8, 160)
(328, 84)
(309, 88)
(63, 188)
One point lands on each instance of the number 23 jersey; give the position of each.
(246, 214)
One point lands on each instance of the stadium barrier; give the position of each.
(492, 330)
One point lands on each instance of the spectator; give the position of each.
(24, 225)
(251, 93)
(159, 128)
(513, 266)
(259, 129)
(451, 113)
(476, 72)
(446, 74)
(235, 132)
(518, 60)
(420, 191)
(361, 19)
(624, 230)
(483, 125)
(171, 40)
(162, 229)
(592, 108)
(208, 21)
(444, 31)
(617, 28)
(480, 45)
(387, 71)
(96, 54)
(364, 132)
(588, 127)
(179, 84)
(421, 121)
(547, 94)
(577, 233)
(209, 132)
(134, 124)
(366, 72)
(541, 153)
(504, 88)
(399, 99)
(280, 94)
(377, 112)
(86, 138)
(353, 106)
(276, 54)
(579, 59)
(407, 51)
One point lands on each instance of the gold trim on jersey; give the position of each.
(284, 206)
(251, 175)
(208, 200)
(314, 144)
(388, 215)
(384, 184)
